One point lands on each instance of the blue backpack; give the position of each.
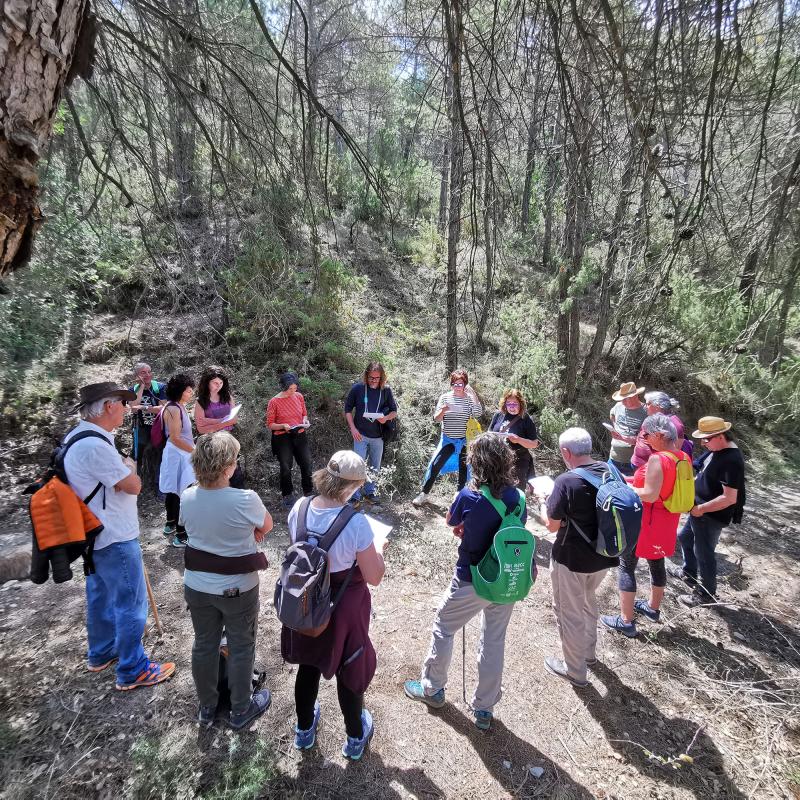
(619, 512)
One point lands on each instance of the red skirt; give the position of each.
(344, 648)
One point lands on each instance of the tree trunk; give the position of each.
(44, 44)
(455, 41)
(488, 226)
(444, 182)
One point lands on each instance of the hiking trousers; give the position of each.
(699, 539)
(459, 605)
(575, 607)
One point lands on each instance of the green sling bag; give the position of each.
(507, 571)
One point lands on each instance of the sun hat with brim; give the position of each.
(710, 426)
(627, 390)
(347, 465)
(101, 391)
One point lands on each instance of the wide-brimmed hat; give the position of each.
(100, 391)
(710, 426)
(627, 390)
(347, 465)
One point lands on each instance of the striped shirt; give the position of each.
(454, 423)
(289, 410)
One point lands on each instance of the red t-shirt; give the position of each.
(659, 527)
(290, 410)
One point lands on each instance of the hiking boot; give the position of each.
(696, 599)
(642, 607)
(154, 674)
(420, 500)
(614, 622)
(169, 529)
(101, 667)
(677, 571)
(304, 740)
(354, 748)
(177, 541)
(259, 703)
(206, 716)
(483, 720)
(415, 691)
(557, 667)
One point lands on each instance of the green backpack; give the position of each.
(508, 570)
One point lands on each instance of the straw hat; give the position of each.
(710, 426)
(627, 390)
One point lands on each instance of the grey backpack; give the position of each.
(303, 591)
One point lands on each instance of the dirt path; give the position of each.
(723, 682)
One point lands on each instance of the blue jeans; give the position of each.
(699, 539)
(116, 609)
(371, 450)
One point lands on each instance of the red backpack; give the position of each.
(158, 433)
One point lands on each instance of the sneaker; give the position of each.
(177, 541)
(206, 716)
(170, 528)
(354, 748)
(556, 666)
(420, 499)
(677, 571)
(101, 667)
(155, 673)
(483, 720)
(415, 691)
(642, 607)
(259, 703)
(614, 622)
(288, 501)
(304, 740)
(696, 599)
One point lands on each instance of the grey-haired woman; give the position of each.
(660, 403)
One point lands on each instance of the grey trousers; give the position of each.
(238, 616)
(575, 606)
(459, 605)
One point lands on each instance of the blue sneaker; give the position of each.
(354, 748)
(305, 740)
(643, 607)
(414, 690)
(614, 622)
(178, 542)
(483, 720)
(169, 529)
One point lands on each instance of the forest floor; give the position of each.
(721, 684)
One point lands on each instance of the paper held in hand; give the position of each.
(234, 412)
(372, 416)
(380, 531)
(542, 485)
(608, 426)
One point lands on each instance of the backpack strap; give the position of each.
(500, 507)
(324, 540)
(595, 481)
(301, 533)
(62, 456)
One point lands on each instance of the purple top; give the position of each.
(219, 411)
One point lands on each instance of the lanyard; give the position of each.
(380, 397)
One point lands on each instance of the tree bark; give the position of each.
(44, 44)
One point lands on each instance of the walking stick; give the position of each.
(152, 600)
(463, 663)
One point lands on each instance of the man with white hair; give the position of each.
(576, 569)
(150, 394)
(116, 597)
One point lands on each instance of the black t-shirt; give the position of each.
(715, 470)
(522, 426)
(378, 401)
(150, 397)
(575, 498)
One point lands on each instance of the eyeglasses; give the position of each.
(457, 385)
(512, 404)
(374, 377)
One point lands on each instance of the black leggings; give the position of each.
(440, 460)
(172, 502)
(626, 573)
(306, 689)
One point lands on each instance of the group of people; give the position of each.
(221, 525)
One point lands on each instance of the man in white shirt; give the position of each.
(116, 596)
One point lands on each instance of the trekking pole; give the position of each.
(464, 663)
(152, 600)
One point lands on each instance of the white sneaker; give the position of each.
(420, 499)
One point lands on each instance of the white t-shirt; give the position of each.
(221, 521)
(355, 538)
(91, 461)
